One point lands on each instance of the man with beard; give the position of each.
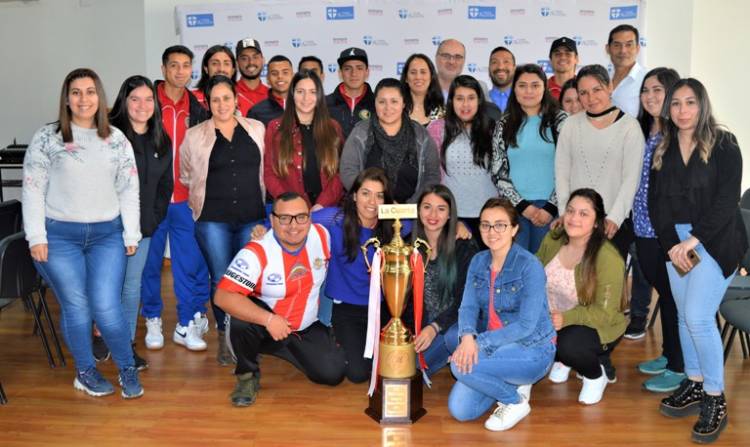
(280, 72)
(563, 56)
(250, 90)
(218, 60)
(502, 67)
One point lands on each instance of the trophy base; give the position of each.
(397, 401)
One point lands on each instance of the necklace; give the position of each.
(599, 116)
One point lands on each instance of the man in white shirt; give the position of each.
(623, 47)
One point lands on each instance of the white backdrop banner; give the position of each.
(391, 30)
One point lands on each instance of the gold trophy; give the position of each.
(397, 398)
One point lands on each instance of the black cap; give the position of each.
(568, 43)
(352, 53)
(248, 43)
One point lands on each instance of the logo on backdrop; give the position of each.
(405, 14)
(510, 40)
(472, 67)
(341, 41)
(400, 67)
(370, 40)
(411, 41)
(264, 16)
(297, 42)
(234, 18)
(303, 14)
(518, 12)
(195, 75)
(332, 68)
(547, 12)
(642, 40)
(546, 65)
(445, 12)
(581, 42)
(482, 12)
(340, 13)
(199, 20)
(623, 12)
(587, 12)
(436, 40)
(270, 43)
(264, 72)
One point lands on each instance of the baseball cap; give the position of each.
(352, 53)
(248, 43)
(568, 43)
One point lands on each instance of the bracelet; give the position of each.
(434, 326)
(269, 318)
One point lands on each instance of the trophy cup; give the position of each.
(397, 397)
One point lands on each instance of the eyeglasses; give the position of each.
(286, 219)
(452, 57)
(498, 227)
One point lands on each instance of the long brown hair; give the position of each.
(587, 293)
(327, 142)
(65, 115)
(706, 130)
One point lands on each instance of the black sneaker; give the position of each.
(139, 362)
(685, 401)
(245, 391)
(636, 329)
(712, 420)
(101, 351)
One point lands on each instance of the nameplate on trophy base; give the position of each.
(397, 401)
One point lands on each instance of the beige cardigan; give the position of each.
(196, 151)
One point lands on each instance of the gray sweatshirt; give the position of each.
(89, 180)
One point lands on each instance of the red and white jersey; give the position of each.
(288, 283)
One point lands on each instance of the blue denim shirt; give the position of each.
(520, 301)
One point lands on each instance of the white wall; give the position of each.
(42, 41)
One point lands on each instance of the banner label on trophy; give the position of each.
(404, 211)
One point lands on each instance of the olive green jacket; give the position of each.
(604, 314)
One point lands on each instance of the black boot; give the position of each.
(685, 401)
(712, 420)
(139, 362)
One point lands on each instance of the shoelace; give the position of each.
(500, 410)
(91, 374)
(129, 376)
(710, 412)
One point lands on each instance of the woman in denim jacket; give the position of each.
(506, 335)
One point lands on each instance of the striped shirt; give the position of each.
(289, 283)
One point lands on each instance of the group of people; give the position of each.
(557, 179)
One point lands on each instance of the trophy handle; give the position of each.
(423, 243)
(376, 243)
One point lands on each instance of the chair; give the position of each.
(3, 399)
(736, 314)
(19, 279)
(10, 218)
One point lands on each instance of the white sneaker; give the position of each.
(189, 337)
(506, 416)
(559, 373)
(593, 389)
(201, 320)
(525, 392)
(154, 337)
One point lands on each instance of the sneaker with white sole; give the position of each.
(506, 416)
(201, 320)
(559, 373)
(154, 337)
(189, 337)
(592, 390)
(92, 383)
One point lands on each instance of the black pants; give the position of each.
(312, 350)
(653, 264)
(640, 292)
(349, 323)
(580, 348)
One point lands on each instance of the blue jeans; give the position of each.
(496, 378)
(131, 288)
(698, 296)
(325, 307)
(189, 270)
(530, 236)
(437, 354)
(219, 242)
(86, 269)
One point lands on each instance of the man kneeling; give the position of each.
(270, 291)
